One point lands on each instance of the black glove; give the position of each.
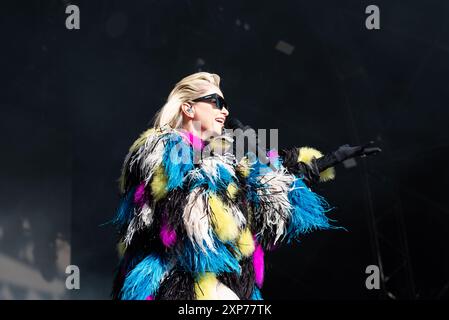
(311, 171)
(346, 152)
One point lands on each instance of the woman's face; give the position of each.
(208, 116)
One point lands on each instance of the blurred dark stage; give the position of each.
(73, 101)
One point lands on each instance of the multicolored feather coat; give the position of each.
(196, 225)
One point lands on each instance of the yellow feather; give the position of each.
(205, 286)
(219, 145)
(327, 174)
(246, 243)
(243, 167)
(121, 181)
(121, 247)
(141, 140)
(225, 226)
(158, 184)
(232, 190)
(306, 154)
(136, 145)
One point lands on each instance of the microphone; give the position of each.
(235, 123)
(260, 153)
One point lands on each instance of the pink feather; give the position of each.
(139, 194)
(168, 236)
(258, 262)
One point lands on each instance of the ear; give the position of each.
(187, 110)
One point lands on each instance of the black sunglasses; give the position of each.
(220, 103)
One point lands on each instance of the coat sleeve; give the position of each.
(282, 204)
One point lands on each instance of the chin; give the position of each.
(211, 132)
(218, 131)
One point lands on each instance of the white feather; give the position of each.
(142, 218)
(239, 218)
(132, 228)
(274, 196)
(146, 215)
(196, 220)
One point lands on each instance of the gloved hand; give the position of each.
(345, 152)
(311, 171)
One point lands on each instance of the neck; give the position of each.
(193, 137)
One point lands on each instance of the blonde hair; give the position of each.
(186, 90)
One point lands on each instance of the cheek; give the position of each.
(207, 118)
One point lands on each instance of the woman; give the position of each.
(196, 224)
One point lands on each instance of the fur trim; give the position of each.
(306, 154)
(327, 175)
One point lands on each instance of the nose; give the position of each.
(225, 111)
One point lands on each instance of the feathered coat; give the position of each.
(192, 222)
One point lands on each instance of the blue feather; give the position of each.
(224, 178)
(125, 210)
(257, 169)
(196, 260)
(309, 210)
(177, 160)
(144, 280)
(256, 295)
(216, 183)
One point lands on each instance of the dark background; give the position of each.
(73, 101)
